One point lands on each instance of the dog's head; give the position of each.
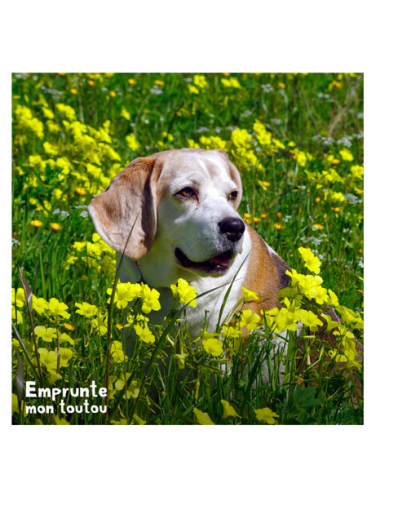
(185, 201)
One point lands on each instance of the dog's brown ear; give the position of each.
(124, 214)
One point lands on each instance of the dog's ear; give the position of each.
(124, 214)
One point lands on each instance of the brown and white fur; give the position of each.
(181, 209)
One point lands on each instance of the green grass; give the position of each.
(319, 114)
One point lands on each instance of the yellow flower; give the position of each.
(330, 323)
(301, 158)
(117, 352)
(250, 319)
(320, 295)
(131, 82)
(249, 295)
(132, 142)
(333, 298)
(47, 334)
(124, 293)
(73, 91)
(65, 338)
(318, 226)
(266, 414)
(144, 334)
(193, 90)
(100, 323)
(357, 171)
(159, 83)
(17, 315)
(350, 317)
(184, 292)
(57, 193)
(150, 299)
(132, 391)
(57, 308)
(202, 417)
(86, 309)
(346, 155)
(18, 298)
(310, 320)
(68, 111)
(200, 81)
(228, 410)
(335, 84)
(25, 120)
(55, 226)
(112, 94)
(232, 82)
(39, 305)
(48, 113)
(80, 191)
(36, 223)
(279, 226)
(50, 149)
(91, 83)
(125, 114)
(310, 260)
(213, 346)
(286, 320)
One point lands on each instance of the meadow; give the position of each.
(297, 140)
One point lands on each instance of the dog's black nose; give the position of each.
(233, 228)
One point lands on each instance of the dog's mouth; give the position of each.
(217, 264)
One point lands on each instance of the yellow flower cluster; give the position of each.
(94, 254)
(126, 292)
(243, 145)
(69, 141)
(28, 123)
(310, 260)
(184, 293)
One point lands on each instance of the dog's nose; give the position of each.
(233, 228)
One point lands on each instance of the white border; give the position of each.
(245, 469)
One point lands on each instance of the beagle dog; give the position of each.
(174, 215)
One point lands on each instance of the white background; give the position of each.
(371, 468)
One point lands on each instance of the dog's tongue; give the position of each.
(222, 260)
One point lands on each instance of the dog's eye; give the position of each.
(187, 192)
(233, 196)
